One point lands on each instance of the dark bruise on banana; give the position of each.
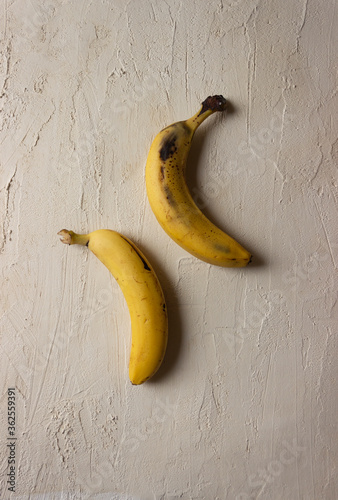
(144, 262)
(168, 147)
(167, 152)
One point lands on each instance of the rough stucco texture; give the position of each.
(245, 405)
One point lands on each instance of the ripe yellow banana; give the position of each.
(171, 200)
(142, 291)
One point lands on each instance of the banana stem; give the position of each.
(209, 106)
(71, 238)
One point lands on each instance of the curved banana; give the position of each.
(143, 294)
(171, 200)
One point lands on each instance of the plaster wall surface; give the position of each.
(245, 403)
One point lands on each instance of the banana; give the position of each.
(142, 291)
(171, 201)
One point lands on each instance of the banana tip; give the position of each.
(214, 103)
(66, 236)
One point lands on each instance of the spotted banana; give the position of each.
(171, 201)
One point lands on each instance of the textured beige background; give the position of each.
(245, 405)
